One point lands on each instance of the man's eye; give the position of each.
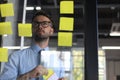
(44, 23)
(36, 23)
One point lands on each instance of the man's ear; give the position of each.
(51, 31)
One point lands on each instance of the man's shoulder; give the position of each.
(21, 52)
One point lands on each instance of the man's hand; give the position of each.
(36, 72)
(61, 79)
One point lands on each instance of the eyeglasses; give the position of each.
(43, 24)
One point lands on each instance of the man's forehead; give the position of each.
(42, 17)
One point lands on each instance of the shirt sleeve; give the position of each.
(10, 70)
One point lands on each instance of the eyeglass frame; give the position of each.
(44, 24)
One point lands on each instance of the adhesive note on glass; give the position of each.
(5, 28)
(67, 7)
(51, 75)
(64, 39)
(0, 8)
(3, 54)
(66, 23)
(7, 10)
(25, 30)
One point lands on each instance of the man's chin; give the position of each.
(37, 38)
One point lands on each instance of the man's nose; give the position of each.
(40, 26)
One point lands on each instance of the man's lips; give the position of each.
(40, 31)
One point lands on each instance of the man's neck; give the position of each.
(43, 44)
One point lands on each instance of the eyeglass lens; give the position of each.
(43, 24)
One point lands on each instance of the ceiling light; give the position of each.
(115, 34)
(29, 8)
(111, 47)
(38, 8)
(32, 8)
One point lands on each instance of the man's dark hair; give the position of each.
(38, 13)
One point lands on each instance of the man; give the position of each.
(25, 64)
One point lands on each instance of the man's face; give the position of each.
(42, 27)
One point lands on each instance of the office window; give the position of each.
(78, 64)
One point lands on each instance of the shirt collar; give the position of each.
(36, 48)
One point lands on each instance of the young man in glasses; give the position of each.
(24, 64)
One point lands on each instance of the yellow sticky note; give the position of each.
(7, 10)
(67, 7)
(3, 54)
(64, 39)
(66, 23)
(0, 8)
(25, 29)
(5, 28)
(50, 73)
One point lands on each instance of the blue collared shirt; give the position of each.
(23, 61)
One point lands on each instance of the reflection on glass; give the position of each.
(78, 64)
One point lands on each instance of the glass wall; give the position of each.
(72, 56)
(78, 64)
(74, 64)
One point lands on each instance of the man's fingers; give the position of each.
(42, 70)
(46, 72)
(38, 74)
(38, 71)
